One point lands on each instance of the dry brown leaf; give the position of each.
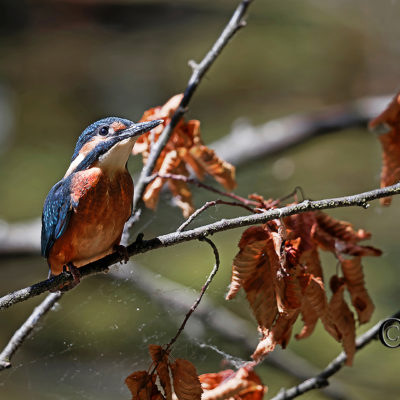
(293, 292)
(389, 119)
(279, 334)
(279, 268)
(339, 237)
(343, 318)
(309, 317)
(183, 150)
(390, 161)
(310, 259)
(300, 225)
(169, 163)
(314, 291)
(160, 359)
(341, 230)
(223, 172)
(143, 386)
(251, 252)
(186, 381)
(253, 271)
(243, 384)
(181, 192)
(353, 274)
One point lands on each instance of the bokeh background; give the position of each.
(66, 63)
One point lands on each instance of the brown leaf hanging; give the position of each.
(143, 386)
(389, 122)
(342, 318)
(160, 359)
(256, 272)
(354, 278)
(243, 384)
(183, 150)
(186, 381)
(186, 384)
(278, 267)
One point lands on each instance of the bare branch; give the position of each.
(199, 70)
(321, 380)
(171, 239)
(26, 328)
(20, 238)
(247, 143)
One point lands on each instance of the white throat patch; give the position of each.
(115, 158)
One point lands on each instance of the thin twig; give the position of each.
(208, 205)
(321, 380)
(171, 239)
(194, 181)
(199, 70)
(196, 303)
(26, 328)
(202, 292)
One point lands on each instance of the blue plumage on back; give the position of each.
(56, 213)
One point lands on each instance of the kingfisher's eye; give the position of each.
(104, 131)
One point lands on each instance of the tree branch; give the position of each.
(26, 328)
(171, 239)
(321, 380)
(199, 70)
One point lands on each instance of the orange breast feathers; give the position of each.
(101, 206)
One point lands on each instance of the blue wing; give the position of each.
(56, 214)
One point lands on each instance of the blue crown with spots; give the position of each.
(91, 131)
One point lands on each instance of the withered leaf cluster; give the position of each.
(278, 267)
(243, 384)
(388, 125)
(184, 385)
(184, 151)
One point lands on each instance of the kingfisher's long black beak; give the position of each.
(139, 128)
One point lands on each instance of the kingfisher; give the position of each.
(85, 212)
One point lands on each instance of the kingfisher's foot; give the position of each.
(76, 275)
(123, 252)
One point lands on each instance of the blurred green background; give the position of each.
(65, 64)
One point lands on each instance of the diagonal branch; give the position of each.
(199, 70)
(321, 380)
(247, 143)
(171, 239)
(26, 328)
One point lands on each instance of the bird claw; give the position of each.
(76, 275)
(123, 252)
